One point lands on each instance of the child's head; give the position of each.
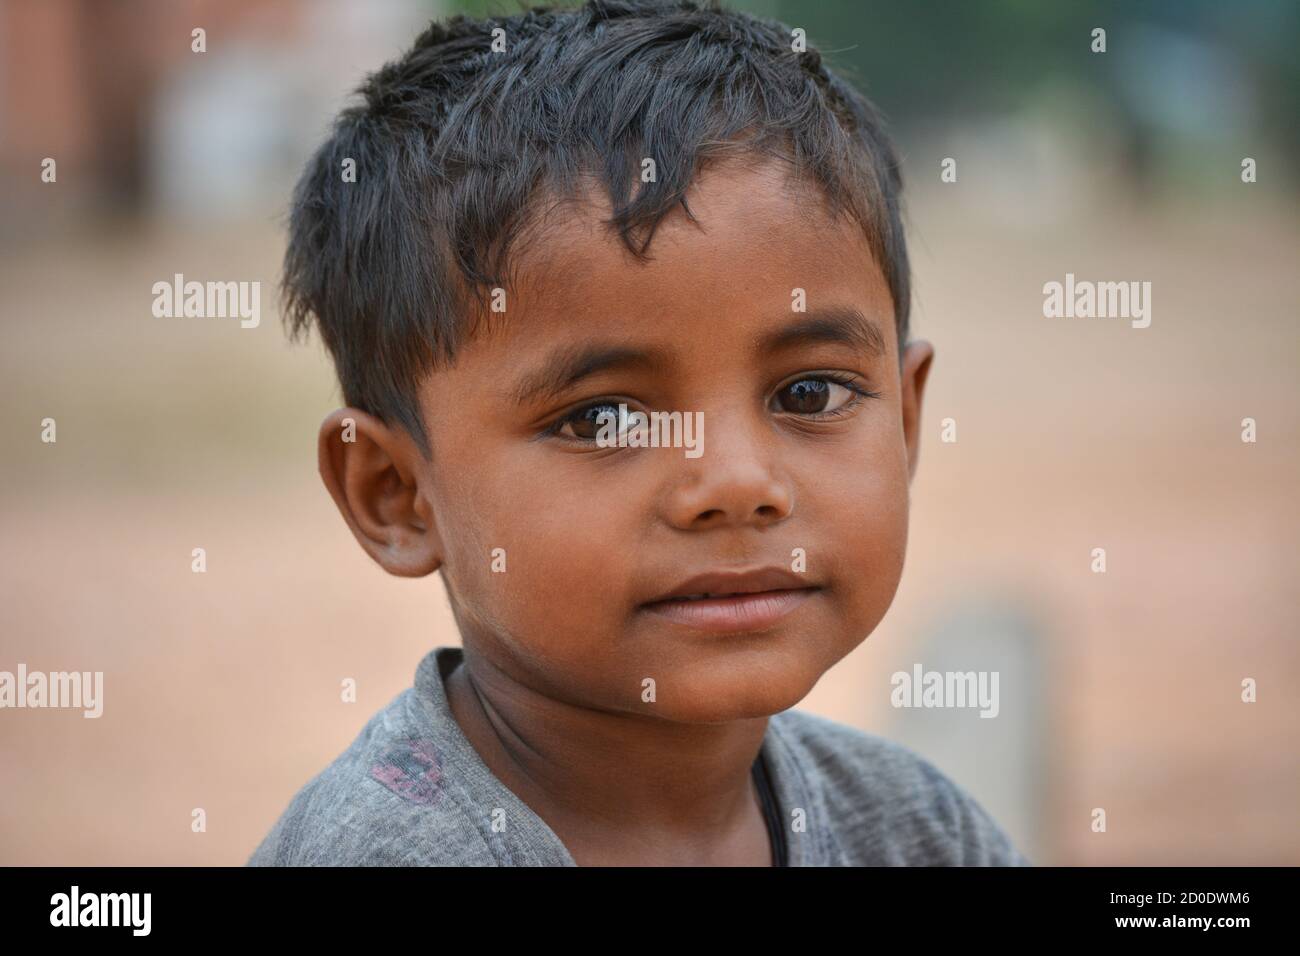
(474, 244)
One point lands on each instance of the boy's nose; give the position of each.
(737, 482)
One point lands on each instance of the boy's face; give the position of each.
(795, 460)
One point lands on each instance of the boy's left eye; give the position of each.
(816, 396)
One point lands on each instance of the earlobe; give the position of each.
(371, 471)
(917, 358)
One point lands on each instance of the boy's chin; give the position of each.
(746, 687)
(724, 705)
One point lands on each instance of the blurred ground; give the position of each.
(222, 690)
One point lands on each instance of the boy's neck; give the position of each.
(618, 788)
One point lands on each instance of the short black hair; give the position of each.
(455, 142)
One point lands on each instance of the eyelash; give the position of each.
(843, 380)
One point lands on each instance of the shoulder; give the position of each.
(883, 803)
(379, 803)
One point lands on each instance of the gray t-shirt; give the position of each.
(412, 791)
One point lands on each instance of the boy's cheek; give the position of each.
(860, 530)
(541, 564)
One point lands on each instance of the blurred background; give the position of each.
(1119, 691)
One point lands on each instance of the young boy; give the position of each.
(639, 606)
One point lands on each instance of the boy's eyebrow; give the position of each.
(567, 366)
(842, 324)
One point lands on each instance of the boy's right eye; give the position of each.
(583, 424)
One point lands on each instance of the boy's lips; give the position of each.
(733, 600)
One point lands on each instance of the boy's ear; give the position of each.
(370, 471)
(917, 357)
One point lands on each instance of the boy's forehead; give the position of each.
(760, 248)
